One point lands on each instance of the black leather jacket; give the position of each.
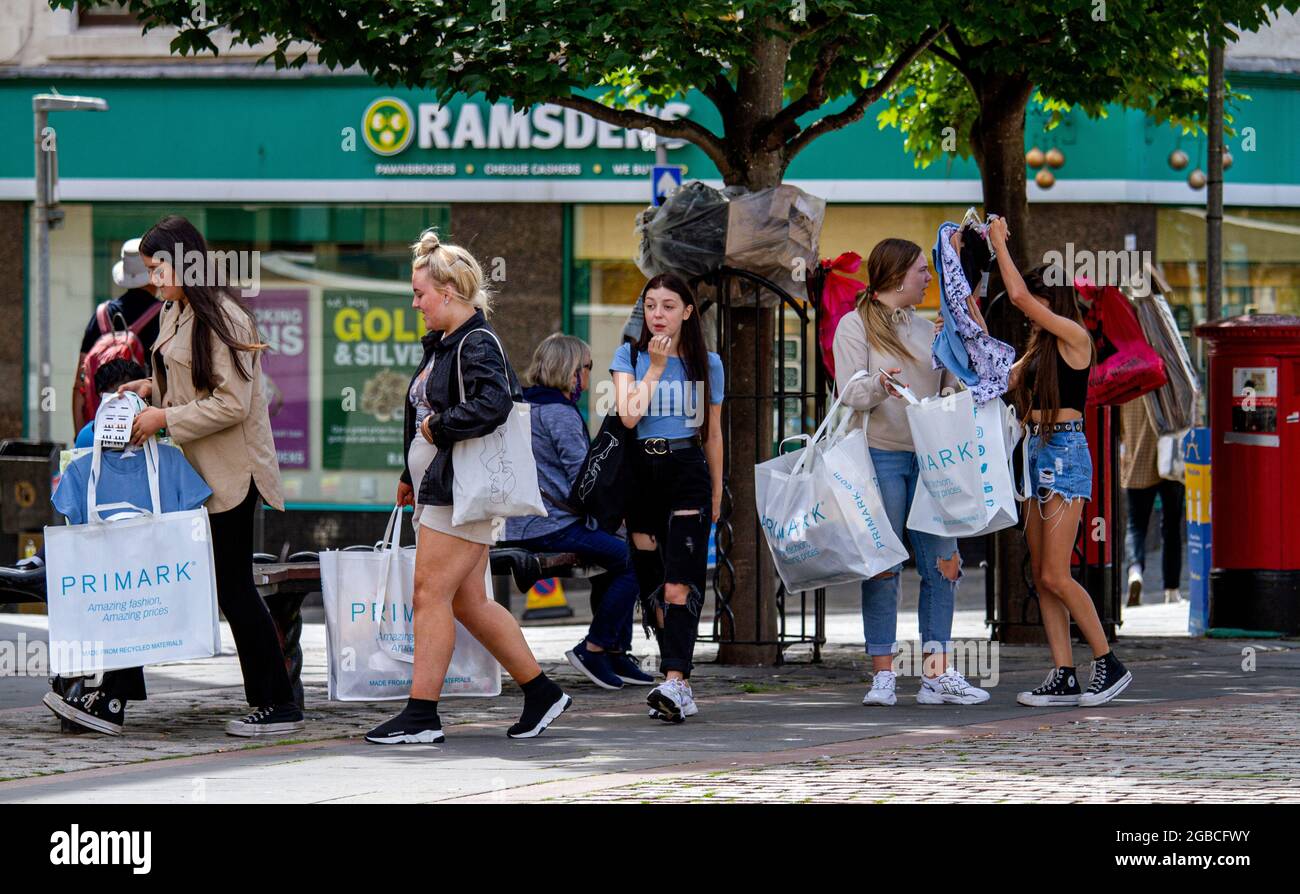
(486, 405)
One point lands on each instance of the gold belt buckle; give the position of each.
(657, 446)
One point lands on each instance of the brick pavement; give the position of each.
(1199, 753)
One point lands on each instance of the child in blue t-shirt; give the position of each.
(671, 391)
(123, 478)
(108, 378)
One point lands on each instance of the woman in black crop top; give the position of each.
(1049, 386)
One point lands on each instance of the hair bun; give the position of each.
(428, 243)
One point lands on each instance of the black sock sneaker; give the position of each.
(1109, 679)
(1060, 687)
(418, 724)
(275, 720)
(543, 702)
(88, 710)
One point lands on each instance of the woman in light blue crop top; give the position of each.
(670, 389)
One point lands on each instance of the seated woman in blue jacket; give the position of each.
(558, 375)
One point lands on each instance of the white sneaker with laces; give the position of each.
(689, 708)
(669, 701)
(949, 688)
(1173, 595)
(883, 684)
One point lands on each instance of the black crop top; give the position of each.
(1072, 383)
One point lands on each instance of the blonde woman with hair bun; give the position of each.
(450, 560)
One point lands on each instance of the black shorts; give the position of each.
(662, 486)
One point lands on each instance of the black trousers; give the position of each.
(671, 498)
(1140, 503)
(261, 655)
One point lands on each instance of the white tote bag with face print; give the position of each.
(370, 626)
(495, 476)
(821, 512)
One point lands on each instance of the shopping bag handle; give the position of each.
(826, 421)
(151, 470)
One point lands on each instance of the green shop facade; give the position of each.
(329, 179)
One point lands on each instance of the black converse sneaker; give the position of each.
(89, 710)
(271, 721)
(1109, 679)
(1060, 687)
(408, 729)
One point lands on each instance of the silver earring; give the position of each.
(446, 301)
(899, 289)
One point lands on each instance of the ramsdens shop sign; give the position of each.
(389, 127)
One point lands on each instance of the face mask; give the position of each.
(577, 387)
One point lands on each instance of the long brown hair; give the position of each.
(887, 267)
(175, 234)
(1045, 395)
(690, 345)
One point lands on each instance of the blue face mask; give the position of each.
(576, 393)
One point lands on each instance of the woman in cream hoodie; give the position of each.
(885, 333)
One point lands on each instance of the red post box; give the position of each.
(1254, 396)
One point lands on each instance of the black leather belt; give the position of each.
(1072, 425)
(664, 446)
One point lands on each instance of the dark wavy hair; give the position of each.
(691, 347)
(1045, 395)
(205, 300)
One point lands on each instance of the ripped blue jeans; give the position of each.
(897, 474)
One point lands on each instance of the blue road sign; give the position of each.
(663, 180)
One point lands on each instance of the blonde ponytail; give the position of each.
(879, 321)
(451, 266)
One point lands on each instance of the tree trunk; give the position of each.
(748, 422)
(998, 141)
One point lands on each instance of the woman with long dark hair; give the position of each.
(884, 333)
(464, 388)
(670, 389)
(207, 392)
(1049, 386)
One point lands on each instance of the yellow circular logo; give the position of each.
(388, 126)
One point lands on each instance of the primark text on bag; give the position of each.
(369, 623)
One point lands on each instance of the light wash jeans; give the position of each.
(896, 474)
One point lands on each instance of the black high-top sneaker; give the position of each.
(89, 709)
(1109, 679)
(1060, 687)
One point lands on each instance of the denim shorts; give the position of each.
(1061, 465)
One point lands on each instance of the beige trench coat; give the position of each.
(225, 432)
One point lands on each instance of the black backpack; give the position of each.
(600, 490)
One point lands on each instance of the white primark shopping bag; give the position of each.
(495, 475)
(368, 594)
(821, 512)
(133, 586)
(964, 456)
(949, 499)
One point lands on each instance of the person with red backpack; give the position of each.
(122, 329)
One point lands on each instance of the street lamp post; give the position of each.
(49, 215)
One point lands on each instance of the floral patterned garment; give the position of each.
(980, 361)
